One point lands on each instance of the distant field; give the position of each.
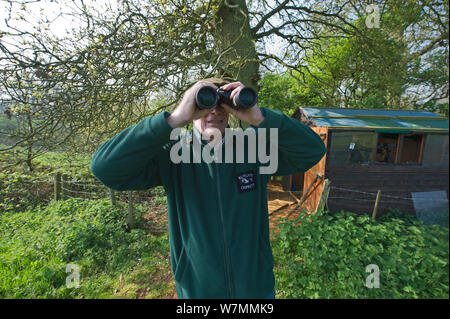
(6, 125)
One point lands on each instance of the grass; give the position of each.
(37, 245)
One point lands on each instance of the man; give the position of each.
(217, 212)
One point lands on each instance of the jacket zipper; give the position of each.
(227, 256)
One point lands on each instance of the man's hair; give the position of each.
(218, 82)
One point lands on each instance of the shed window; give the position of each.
(351, 148)
(399, 148)
(395, 148)
(387, 148)
(435, 151)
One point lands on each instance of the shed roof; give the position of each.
(379, 120)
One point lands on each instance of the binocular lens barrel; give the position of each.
(207, 97)
(246, 98)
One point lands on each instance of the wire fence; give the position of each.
(399, 200)
(372, 202)
(34, 191)
(99, 190)
(92, 189)
(370, 196)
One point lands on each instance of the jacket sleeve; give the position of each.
(129, 160)
(299, 147)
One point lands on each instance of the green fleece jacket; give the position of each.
(217, 212)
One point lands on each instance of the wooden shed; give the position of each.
(395, 151)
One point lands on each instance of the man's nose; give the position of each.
(218, 109)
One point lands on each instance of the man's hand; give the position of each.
(252, 115)
(187, 111)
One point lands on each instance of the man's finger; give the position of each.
(235, 91)
(231, 86)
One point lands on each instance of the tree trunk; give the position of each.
(30, 145)
(235, 40)
(29, 157)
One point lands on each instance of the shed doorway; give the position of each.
(387, 148)
(293, 183)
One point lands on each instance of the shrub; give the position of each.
(327, 255)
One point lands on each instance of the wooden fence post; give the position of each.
(113, 197)
(130, 209)
(324, 196)
(57, 185)
(374, 214)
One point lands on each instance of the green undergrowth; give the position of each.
(321, 256)
(37, 245)
(333, 256)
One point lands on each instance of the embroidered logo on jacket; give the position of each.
(246, 181)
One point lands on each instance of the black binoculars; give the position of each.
(207, 97)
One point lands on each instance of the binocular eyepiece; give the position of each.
(207, 97)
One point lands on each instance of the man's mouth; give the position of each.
(215, 122)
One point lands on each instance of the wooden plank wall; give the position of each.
(392, 180)
(285, 196)
(313, 199)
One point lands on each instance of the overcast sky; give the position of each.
(32, 12)
(62, 24)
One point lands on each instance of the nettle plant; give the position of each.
(327, 255)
